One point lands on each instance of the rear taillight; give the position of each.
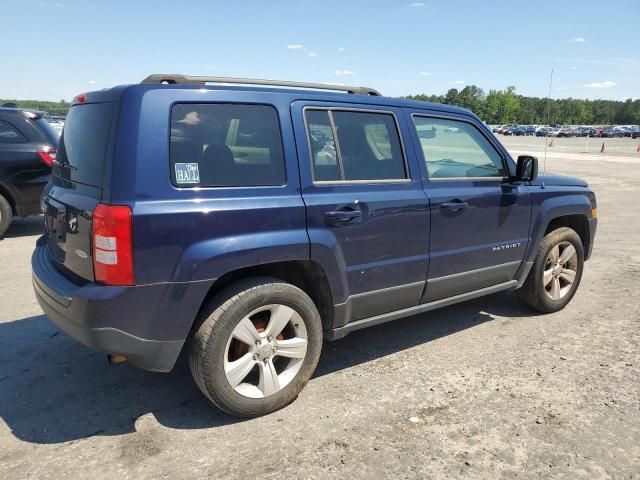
(112, 245)
(47, 155)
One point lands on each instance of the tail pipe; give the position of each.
(114, 359)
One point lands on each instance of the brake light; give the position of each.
(47, 155)
(112, 245)
(82, 98)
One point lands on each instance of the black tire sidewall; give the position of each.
(214, 379)
(6, 215)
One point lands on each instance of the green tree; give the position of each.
(505, 106)
(471, 97)
(452, 96)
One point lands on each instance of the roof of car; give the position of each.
(309, 94)
(320, 93)
(21, 110)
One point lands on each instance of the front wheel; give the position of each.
(255, 347)
(556, 272)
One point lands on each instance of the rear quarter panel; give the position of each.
(199, 234)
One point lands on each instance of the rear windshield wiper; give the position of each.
(56, 163)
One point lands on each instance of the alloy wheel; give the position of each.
(560, 270)
(265, 351)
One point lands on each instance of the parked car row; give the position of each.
(632, 131)
(520, 130)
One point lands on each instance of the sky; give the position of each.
(55, 49)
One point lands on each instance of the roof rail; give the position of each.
(195, 80)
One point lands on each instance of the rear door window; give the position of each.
(367, 146)
(84, 141)
(323, 146)
(9, 134)
(225, 145)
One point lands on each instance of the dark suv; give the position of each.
(253, 221)
(27, 148)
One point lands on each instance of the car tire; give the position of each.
(6, 215)
(556, 272)
(236, 347)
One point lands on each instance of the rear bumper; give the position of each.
(146, 324)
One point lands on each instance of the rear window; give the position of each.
(9, 134)
(48, 131)
(83, 143)
(225, 145)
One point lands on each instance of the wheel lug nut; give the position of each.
(269, 338)
(255, 356)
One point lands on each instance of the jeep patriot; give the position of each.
(253, 219)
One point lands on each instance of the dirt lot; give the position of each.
(485, 389)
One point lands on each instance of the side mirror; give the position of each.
(526, 168)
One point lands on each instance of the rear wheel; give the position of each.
(256, 346)
(6, 215)
(556, 272)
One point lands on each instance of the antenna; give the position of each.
(546, 137)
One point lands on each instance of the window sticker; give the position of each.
(187, 173)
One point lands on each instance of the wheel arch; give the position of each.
(573, 211)
(307, 275)
(6, 192)
(577, 222)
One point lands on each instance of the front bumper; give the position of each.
(146, 324)
(593, 225)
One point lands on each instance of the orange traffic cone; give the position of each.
(602, 148)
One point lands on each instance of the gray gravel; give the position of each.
(486, 389)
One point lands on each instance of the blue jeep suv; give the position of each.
(251, 219)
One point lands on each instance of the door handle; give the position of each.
(455, 206)
(342, 216)
(346, 214)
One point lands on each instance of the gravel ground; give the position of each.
(486, 389)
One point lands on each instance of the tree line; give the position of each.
(506, 106)
(496, 107)
(52, 108)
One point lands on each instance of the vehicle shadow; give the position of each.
(54, 390)
(25, 227)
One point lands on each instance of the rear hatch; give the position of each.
(76, 186)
